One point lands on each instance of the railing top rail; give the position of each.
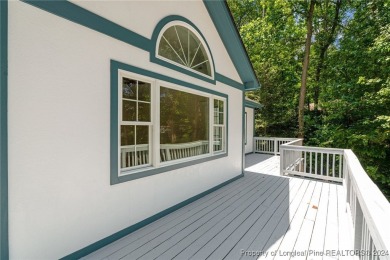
(312, 149)
(293, 141)
(273, 138)
(375, 207)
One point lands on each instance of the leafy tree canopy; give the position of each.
(348, 85)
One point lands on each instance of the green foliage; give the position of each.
(356, 101)
(273, 27)
(354, 78)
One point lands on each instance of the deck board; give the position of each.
(139, 247)
(272, 231)
(290, 238)
(260, 213)
(317, 240)
(303, 240)
(345, 226)
(231, 215)
(209, 234)
(284, 225)
(230, 190)
(263, 224)
(242, 225)
(332, 232)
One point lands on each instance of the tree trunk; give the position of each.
(305, 67)
(324, 48)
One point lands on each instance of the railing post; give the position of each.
(346, 184)
(357, 227)
(281, 164)
(276, 146)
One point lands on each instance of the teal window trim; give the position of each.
(171, 65)
(4, 242)
(115, 66)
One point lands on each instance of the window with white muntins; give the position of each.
(180, 44)
(162, 123)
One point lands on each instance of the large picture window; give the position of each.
(184, 124)
(162, 125)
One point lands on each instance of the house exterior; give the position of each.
(113, 114)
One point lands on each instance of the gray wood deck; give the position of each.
(262, 163)
(260, 213)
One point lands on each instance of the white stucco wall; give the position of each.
(60, 198)
(249, 127)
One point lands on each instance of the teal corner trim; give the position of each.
(155, 59)
(4, 242)
(254, 126)
(252, 104)
(115, 66)
(243, 126)
(124, 232)
(246, 127)
(223, 20)
(92, 21)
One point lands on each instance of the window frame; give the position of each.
(190, 91)
(200, 38)
(125, 74)
(118, 70)
(223, 126)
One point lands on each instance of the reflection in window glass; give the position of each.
(143, 91)
(127, 135)
(218, 135)
(129, 110)
(134, 138)
(181, 45)
(136, 100)
(129, 89)
(184, 124)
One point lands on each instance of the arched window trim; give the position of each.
(200, 38)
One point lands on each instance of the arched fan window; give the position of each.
(184, 46)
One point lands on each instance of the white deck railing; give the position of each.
(313, 162)
(368, 207)
(269, 145)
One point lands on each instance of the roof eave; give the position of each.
(252, 104)
(224, 23)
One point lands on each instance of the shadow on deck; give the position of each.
(254, 215)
